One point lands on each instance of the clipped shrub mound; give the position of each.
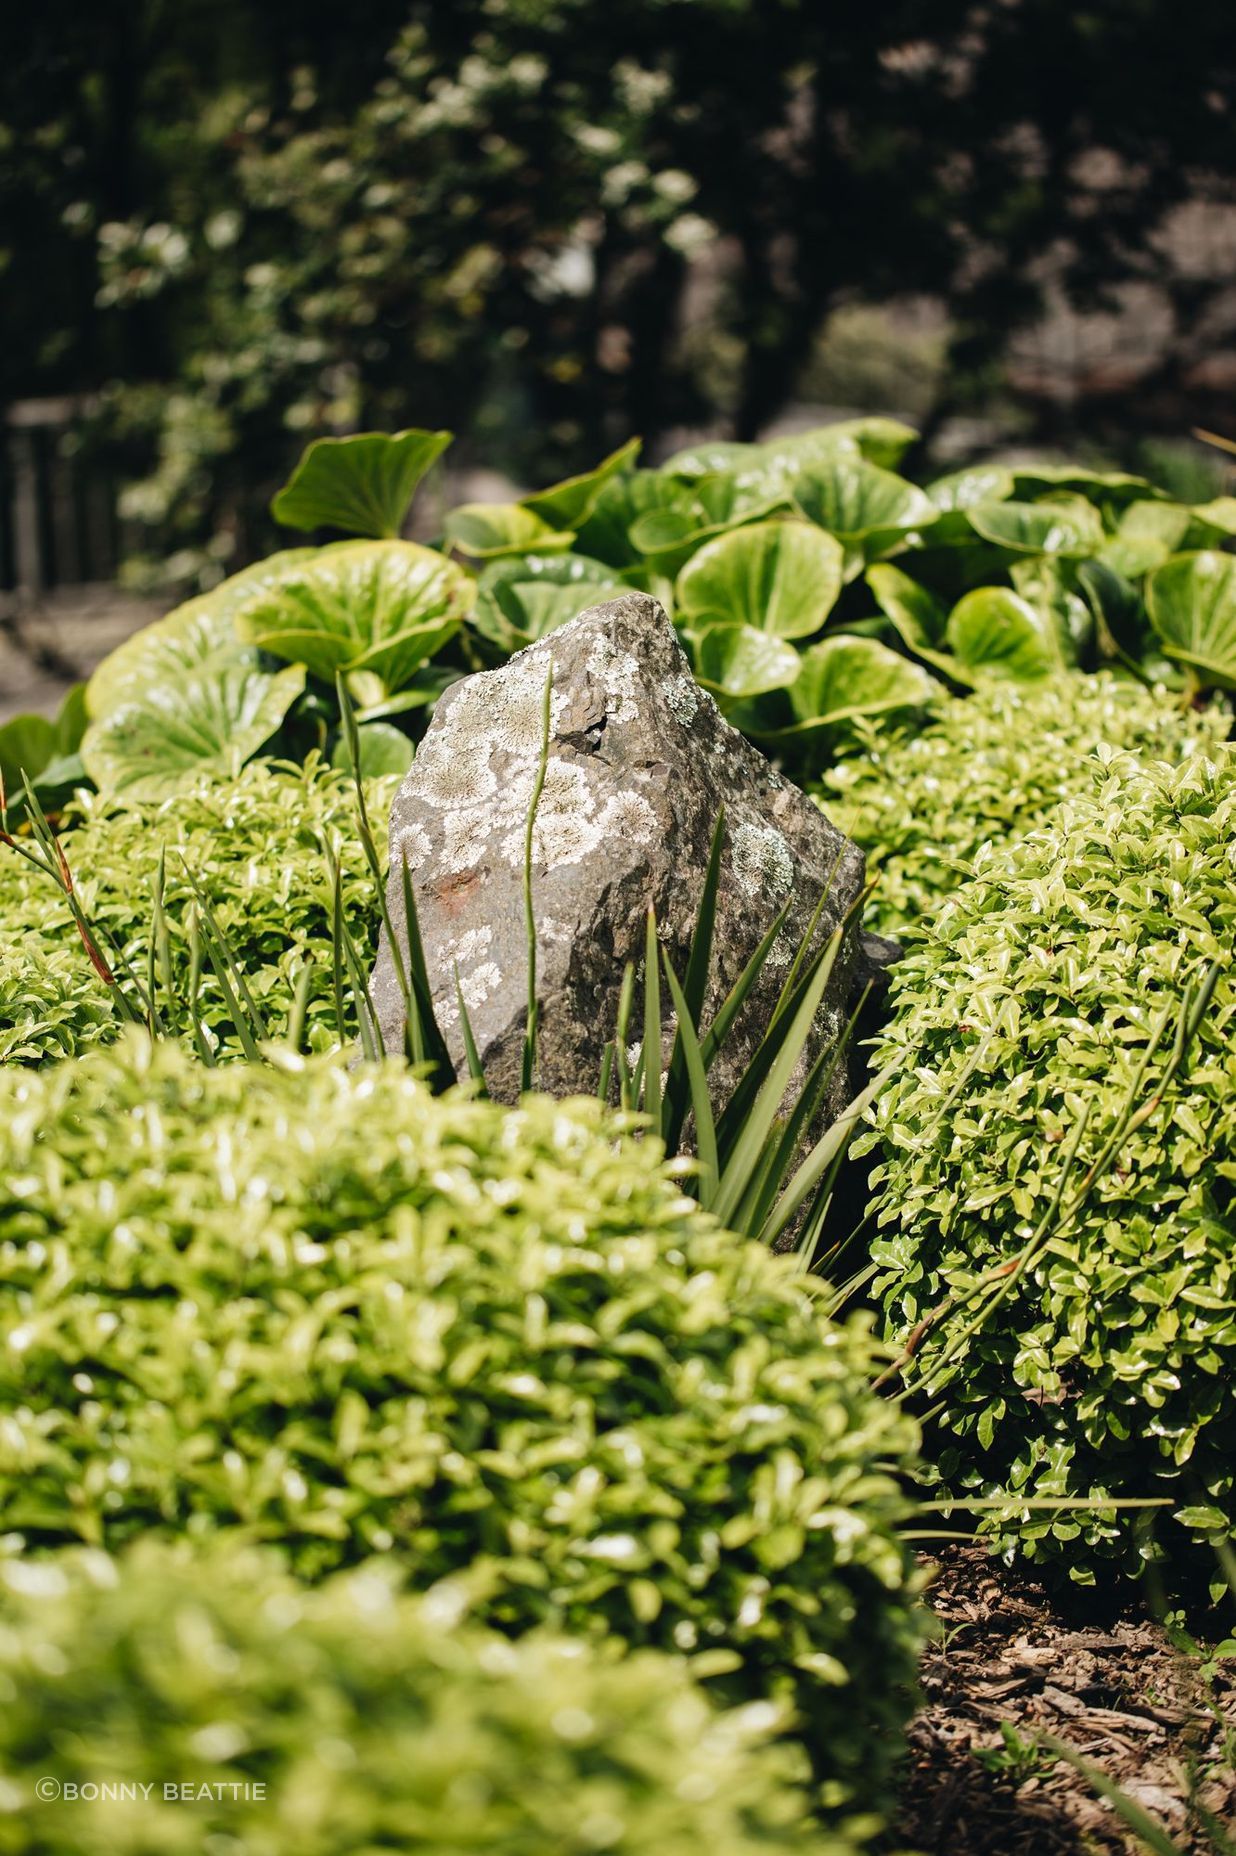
(180, 1702)
(990, 767)
(1028, 1015)
(355, 1318)
(254, 845)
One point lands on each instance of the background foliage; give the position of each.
(552, 223)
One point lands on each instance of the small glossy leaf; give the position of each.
(779, 577)
(737, 661)
(383, 749)
(1072, 528)
(362, 485)
(570, 502)
(997, 632)
(1191, 600)
(843, 678)
(488, 531)
(379, 606)
(855, 500)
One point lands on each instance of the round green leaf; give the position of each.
(45, 752)
(721, 455)
(1220, 514)
(362, 485)
(1191, 600)
(1072, 528)
(1106, 485)
(1146, 534)
(384, 607)
(383, 749)
(520, 600)
(210, 720)
(737, 661)
(608, 533)
(997, 632)
(487, 531)
(200, 632)
(961, 489)
(918, 616)
(844, 677)
(856, 500)
(779, 577)
(568, 503)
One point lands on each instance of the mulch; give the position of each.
(1012, 1663)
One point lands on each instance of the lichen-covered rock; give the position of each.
(640, 764)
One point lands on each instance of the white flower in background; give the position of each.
(690, 234)
(222, 229)
(569, 271)
(675, 185)
(596, 139)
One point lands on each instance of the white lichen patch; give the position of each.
(761, 860)
(412, 846)
(464, 836)
(475, 988)
(496, 710)
(469, 945)
(566, 827)
(683, 696)
(627, 816)
(618, 674)
(446, 777)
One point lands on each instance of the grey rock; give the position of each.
(640, 763)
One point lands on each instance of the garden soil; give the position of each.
(1112, 1687)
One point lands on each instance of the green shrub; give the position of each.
(992, 766)
(255, 846)
(350, 1317)
(352, 1717)
(1026, 1011)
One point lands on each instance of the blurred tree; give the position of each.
(549, 223)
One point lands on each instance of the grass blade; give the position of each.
(205, 1048)
(528, 1065)
(424, 1039)
(828, 1150)
(295, 1034)
(736, 998)
(475, 1070)
(256, 1022)
(739, 1106)
(622, 1027)
(651, 1053)
(693, 1062)
(758, 1123)
(678, 1095)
